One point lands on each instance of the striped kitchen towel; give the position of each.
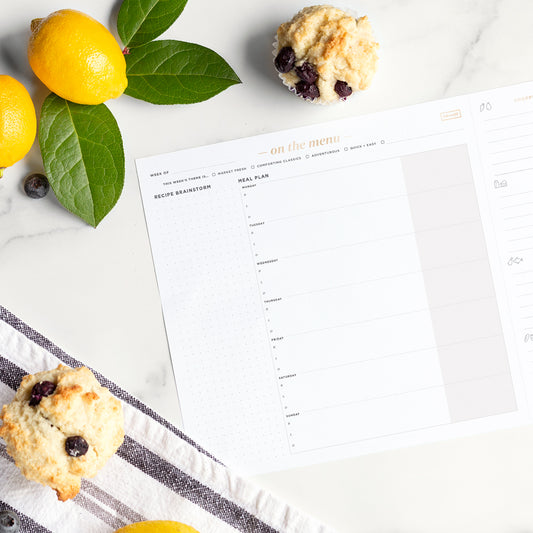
(158, 473)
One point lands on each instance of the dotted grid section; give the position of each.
(216, 326)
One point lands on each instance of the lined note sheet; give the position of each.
(506, 144)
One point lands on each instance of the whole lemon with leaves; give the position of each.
(18, 124)
(157, 526)
(77, 58)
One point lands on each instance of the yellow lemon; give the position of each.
(157, 526)
(77, 58)
(18, 124)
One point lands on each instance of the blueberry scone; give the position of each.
(325, 54)
(61, 426)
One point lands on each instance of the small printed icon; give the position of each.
(528, 338)
(499, 184)
(514, 261)
(485, 106)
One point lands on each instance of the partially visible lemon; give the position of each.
(157, 526)
(18, 124)
(77, 58)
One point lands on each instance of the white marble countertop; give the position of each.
(94, 292)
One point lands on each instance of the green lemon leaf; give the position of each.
(141, 21)
(83, 156)
(175, 72)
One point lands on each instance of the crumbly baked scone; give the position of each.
(325, 54)
(61, 426)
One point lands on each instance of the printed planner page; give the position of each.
(350, 287)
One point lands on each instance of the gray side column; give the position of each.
(459, 283)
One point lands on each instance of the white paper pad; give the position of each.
(353, 286)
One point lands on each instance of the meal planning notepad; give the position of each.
(353, 286)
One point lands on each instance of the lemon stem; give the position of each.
(34, 24)
(2, 171)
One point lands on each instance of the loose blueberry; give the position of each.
(307, 90)
(36, 185)
(343, 89)
(285, 60)
(40, 390)
(9, 522)
(307, 73)
(76, 446)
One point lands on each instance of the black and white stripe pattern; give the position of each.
(158, 472)
(37, 338)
